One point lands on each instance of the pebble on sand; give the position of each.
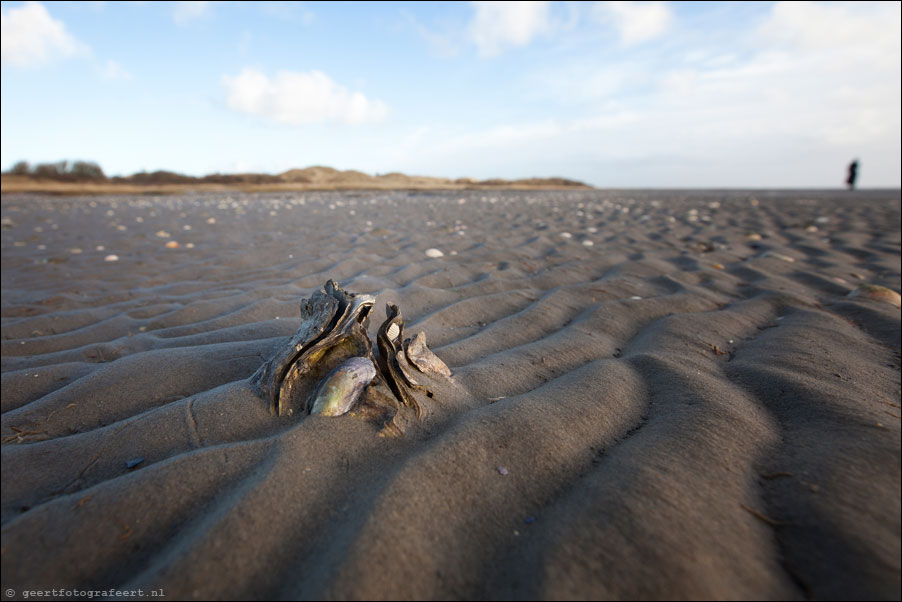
(566, 235)
(111, 258)
(172, 245)
(129, 464)
(163, 234)
(588, 243)
(434, 253)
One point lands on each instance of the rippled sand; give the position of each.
(655, 395)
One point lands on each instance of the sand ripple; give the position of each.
(674, 411)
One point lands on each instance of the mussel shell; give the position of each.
(338, 393)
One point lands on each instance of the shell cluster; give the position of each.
(329, 366)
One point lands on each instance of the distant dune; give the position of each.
(310, 178)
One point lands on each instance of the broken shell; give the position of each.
(338, 393)
(420, 356)
(878, 293)
(404, 365)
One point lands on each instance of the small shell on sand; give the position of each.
(425, 361)
(779, 256)
(111, 258)
(753, 236)
(878, 293)
(434, 253)
(163, 234)
(588, 243)
(172, 245)
(566, 235)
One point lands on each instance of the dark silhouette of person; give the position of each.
(853, 174)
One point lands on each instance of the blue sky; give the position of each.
(618, 94)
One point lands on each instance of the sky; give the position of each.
(616, 94)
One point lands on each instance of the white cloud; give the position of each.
(112, 71)
(185, 12)
(636, 21)
(300, 98)
(811, 25)
(499, 25)
(31, 37)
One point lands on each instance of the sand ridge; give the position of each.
(688, 407)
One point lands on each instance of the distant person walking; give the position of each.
(853, 174)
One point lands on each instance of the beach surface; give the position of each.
(655, 394)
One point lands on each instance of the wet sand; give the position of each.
(655, 395)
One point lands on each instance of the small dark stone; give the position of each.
(129, 464)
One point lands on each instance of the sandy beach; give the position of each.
(655, 395)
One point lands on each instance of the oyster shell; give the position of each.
(328, 367)
(333, 329)
(388, 340)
